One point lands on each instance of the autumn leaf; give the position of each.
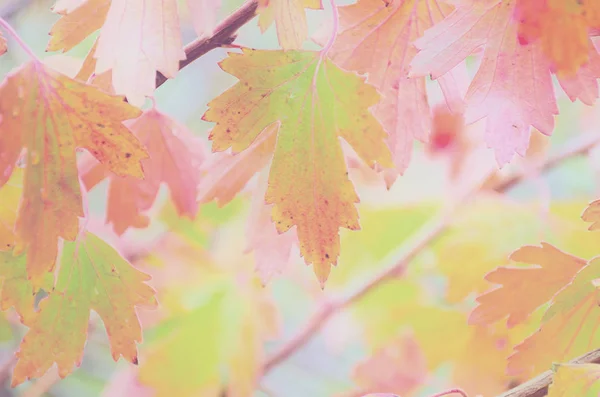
(10, 195)
(376, 38)
(137, 40)
(513, 85)
(76, 23)
(569, 326)
(290, 19)
(175, 158)
(50, 115)
(562, 28)
(15, 288)
(516, 298)
(315, 103)
(225, 174)
(575, 380)
(92, 276)
(271, 250)
(592, 215)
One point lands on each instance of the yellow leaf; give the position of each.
(316, 103)
(50, 115)
(10, 194)
(73, 27)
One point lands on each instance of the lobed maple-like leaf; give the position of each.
(175, 159)
(525, 289)
(92, 276)
(50, 115)
(77, 22)
(315, 103)
(569, 380)
(204, 15)
(569, 326)
(513, 85)
(290, 19)
(562, 26)
(592, 215)
(376, 38)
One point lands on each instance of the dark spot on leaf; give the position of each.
(128, 155)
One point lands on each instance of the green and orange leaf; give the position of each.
(290, 19)
(92, 276)
(49, 116)
(315, 103)
(10, 195)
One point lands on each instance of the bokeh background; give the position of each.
(408, 335)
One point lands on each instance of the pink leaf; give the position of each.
(175, 157)
(513, 86)
(204, 15)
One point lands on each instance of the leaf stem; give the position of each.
(9, 29)
(451, 391)
(334, 30)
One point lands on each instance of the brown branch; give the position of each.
(538, 386)
(224, 34)
(428, 234)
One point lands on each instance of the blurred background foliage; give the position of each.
(410, 336)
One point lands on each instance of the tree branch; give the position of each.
(538, 386)
(429, 233)
(224, 34)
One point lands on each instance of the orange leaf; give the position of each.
(289, 17)
(569, 326)
(562, 26)
(73, 27)
(376, 38)
(592, 214)
(92, 276)
(525, 289)
(316, 103)
(50, 115)
(175, 159)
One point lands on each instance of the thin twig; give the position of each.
(224, 34)
(581, 147)
(538, 386)
(423, 238)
